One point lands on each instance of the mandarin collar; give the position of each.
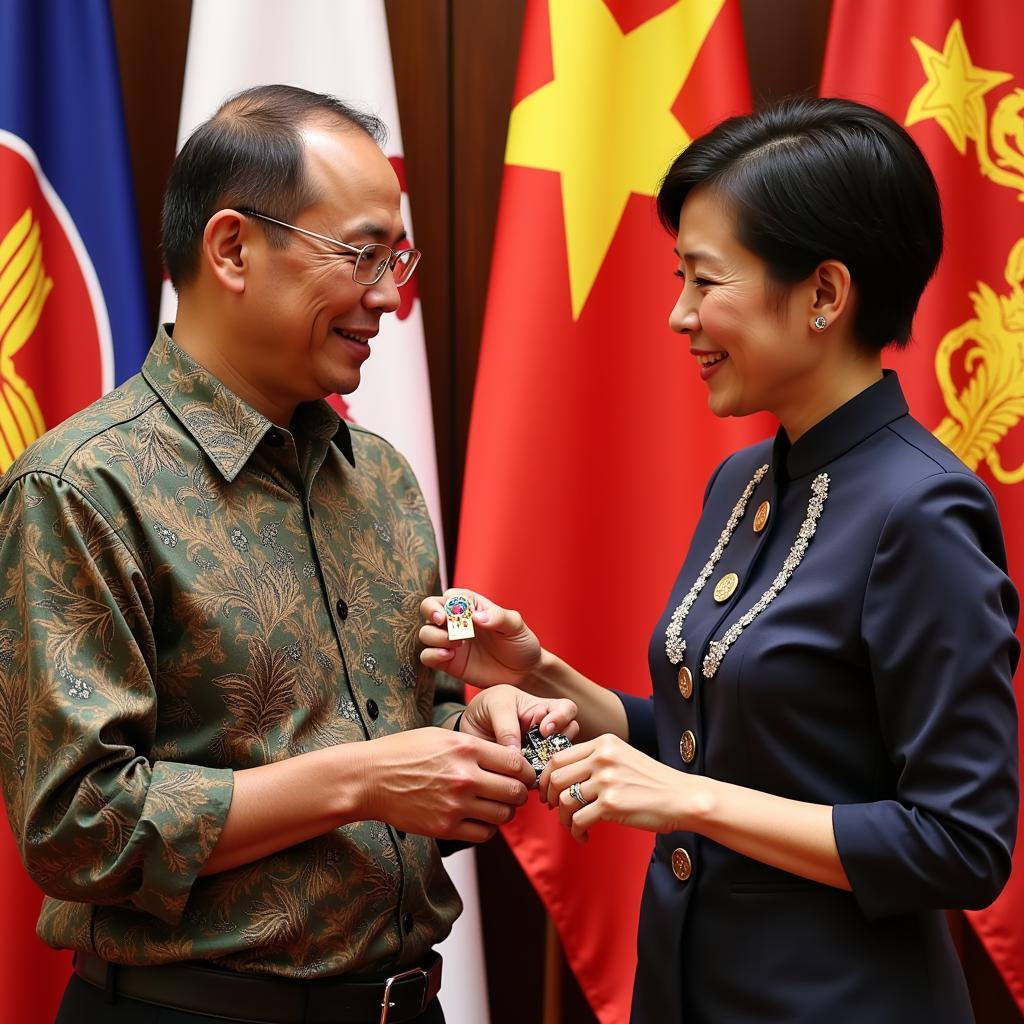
(227, 429)
(853, 422)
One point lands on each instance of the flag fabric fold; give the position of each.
(341, 47)
(952, 72)
(590, 440)
(73, 320)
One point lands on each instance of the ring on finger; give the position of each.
(577, 795)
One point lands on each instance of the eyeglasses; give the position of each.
(371, 260)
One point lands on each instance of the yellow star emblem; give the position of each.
(605, 121)
(955, 90)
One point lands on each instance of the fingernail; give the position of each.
(438, 618)
(482, 617)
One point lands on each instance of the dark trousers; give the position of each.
(85, 1004)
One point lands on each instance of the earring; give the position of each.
(820, 323)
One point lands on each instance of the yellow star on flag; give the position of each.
(605, 121)
(955, 90)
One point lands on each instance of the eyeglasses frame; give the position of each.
(388, 264)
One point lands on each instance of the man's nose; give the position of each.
(384, 294)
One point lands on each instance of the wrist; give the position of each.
(351, 794)
(695, 803)
(542, 679)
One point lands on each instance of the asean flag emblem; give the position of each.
(55, 344)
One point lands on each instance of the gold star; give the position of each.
(955, 90)
(605, 122)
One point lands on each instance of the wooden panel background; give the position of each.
(455, 65)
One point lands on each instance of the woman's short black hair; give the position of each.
(249, 154)
(816, 179)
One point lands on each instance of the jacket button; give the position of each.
(372, 710)
(407, 923)
(726, 587)
(764, 510)
(682, 866)
(342, 609)
(688, 746)
(274, 438)
(685, 682)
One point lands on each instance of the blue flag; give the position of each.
(73, 318)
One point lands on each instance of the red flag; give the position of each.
(591, 441)
(952, 72)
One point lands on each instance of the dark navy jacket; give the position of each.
(879, 682)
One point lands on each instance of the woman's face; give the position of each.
(752, 352)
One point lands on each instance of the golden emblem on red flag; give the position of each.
(24, 288)
(988, 349)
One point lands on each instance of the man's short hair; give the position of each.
(249, 154)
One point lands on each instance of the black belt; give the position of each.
(264, 999)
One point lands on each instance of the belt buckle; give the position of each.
(386, 1004)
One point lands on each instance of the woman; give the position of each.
(829, 756)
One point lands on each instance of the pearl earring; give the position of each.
(820, 323)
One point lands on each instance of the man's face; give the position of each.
(309, 324)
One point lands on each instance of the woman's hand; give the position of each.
(505, 714)
(504, 650)
(618, 783)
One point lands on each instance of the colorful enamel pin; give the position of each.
(458, 610)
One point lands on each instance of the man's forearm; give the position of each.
(277, 805)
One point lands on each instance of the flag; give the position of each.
(952, 72)
(590, 440)
(341, 47)
(72, 312)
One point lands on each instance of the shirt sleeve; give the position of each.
(938, 623)
(95, 819)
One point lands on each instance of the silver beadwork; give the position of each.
(675, 645)
(717, 649)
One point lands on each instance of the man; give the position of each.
(218, 756)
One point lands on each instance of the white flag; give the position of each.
(341, 47)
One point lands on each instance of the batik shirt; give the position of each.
(187, 590)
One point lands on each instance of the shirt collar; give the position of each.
(227, 429)
(837, 433)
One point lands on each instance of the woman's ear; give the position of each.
(224, 249)
(830, 295)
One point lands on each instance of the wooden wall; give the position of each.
(455, 63)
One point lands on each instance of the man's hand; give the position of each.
(504, 649)
(505, 714)
(435, 782)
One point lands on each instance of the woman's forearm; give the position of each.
(600, 710)
(789, 834)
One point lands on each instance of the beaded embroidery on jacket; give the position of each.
(675, 644)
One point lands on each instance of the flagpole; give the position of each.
(552, 974)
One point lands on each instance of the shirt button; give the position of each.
(688, 746)
(275, 439)
(342, 609)
(682, 866)
(372, 710)
(407, 923)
